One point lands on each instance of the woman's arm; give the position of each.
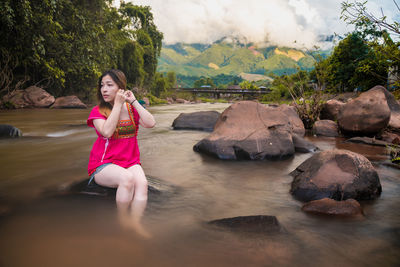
(146, 119)
(107, 127)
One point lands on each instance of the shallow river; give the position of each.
(82, 230)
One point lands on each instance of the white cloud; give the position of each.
(283, 22)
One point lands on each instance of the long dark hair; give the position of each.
(120, 79)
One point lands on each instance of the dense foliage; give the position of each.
(65, 45)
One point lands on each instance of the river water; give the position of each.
(81, 230)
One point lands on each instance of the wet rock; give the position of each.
(38, 97)
(335, 174)
(9, 131)
(202, 120)
(349, 207)
(156, 187)
(249, 130)
(250, 224)
(68, 102)
(303, 146)
(367, 141)
(365, 115)
(326, 128)
(330, 110)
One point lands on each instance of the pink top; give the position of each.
(122, 148)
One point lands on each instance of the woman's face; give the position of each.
(108, 89)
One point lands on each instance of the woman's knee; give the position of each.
(127, 181)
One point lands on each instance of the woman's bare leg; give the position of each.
(131, 187)
(139, 202)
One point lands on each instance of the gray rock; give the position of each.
(9, 131)
(250, 224)
(202, 120)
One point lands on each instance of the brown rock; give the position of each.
(390, 137)
(336, 174)
(296, 124)
(17, 98)
(68, 102)
(249, 130)
(330, 110)
(326, 128)
(349, 207)
(39, 97)
(365, 115)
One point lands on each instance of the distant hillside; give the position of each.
(232, 58)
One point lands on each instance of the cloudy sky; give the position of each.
(283, 22)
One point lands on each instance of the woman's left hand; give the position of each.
(130, 97)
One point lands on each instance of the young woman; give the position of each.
(115, 158)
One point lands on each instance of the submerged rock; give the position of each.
(202, 120)
(7, 131)
(249, 130)
(336, 174)
(253, 224)
(303, 146)
(348, 207)
(367, 141)
(155, 187)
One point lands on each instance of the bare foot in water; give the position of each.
(127, 221)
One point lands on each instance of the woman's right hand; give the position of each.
(120, 97)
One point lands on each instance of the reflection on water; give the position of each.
(84, 230)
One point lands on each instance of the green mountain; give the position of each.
(231, 58)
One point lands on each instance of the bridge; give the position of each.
(218, 91)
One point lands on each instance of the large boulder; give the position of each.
(330, 109)
(326, 128)
(202, 120)
(336, 174)
(367, 114)
(295, 123)
(39, 97)
(249, 130)
(328, 206)
(7, 131)
(68, 102)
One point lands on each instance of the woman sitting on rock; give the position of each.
(115, 158)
